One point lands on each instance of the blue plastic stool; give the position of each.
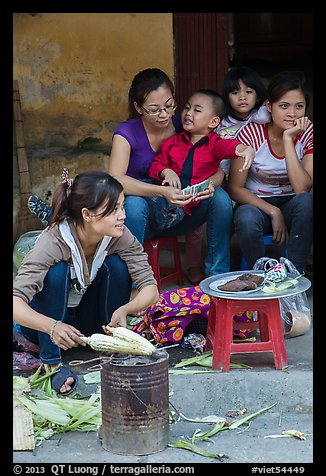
(268, 240)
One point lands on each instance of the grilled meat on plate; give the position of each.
(245, 282)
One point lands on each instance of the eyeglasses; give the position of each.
(156, 112)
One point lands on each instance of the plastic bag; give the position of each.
(196, 342)
(295, 310)
(23, 245)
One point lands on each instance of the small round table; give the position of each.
(223, 307)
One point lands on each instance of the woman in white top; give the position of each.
(274, 197)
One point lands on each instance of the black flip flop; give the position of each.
(59, 378)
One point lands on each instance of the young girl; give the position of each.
(274, 196)
(77, 278)
(243, 93)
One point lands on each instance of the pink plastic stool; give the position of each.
(153, 248)
(219, 334)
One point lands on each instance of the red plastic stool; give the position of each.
(153, 248)
(220, 330)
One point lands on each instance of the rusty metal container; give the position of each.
(135, 403)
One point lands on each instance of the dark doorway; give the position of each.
(272, 42)
(200, 52)
(207, 44)
(271, 39)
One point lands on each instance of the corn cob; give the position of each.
(132, 337)
(123, 341)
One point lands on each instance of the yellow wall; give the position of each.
(74, 72)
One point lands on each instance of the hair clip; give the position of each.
(66, 179)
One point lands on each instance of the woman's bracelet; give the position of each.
(52, 330)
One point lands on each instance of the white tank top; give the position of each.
(268, 174)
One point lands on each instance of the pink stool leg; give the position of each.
(263, 326)
(276, 334)
(222, 336)
(211, 325)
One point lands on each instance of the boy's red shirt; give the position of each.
(206, 161)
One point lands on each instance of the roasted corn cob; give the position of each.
(122, 341)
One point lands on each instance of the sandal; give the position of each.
(60, 377)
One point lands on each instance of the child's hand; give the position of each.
(208, 193)
(248, 154)
(170, 178)
(176, 197)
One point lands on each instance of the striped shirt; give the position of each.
(230, 128)
(268, 173)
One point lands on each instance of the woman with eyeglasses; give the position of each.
(135, 144)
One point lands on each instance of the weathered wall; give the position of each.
(74, 72)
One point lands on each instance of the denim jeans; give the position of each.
(163, 215)
(100, 300)
(216, 211)
(251, 224)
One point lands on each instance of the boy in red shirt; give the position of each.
(192, 156)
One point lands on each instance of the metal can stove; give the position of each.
(135, 403)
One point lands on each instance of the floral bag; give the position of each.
(168, 319)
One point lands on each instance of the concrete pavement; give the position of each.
(199, 395)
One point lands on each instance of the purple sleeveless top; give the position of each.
(141, 153)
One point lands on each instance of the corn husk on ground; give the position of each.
(122, 341)
(52, 414)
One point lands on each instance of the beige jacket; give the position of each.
(50, 248)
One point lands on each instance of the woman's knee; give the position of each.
(135, 206)
(247, 218)
(303, 203)
(115, 266)
(118, 279)
(56, 275)
(52, 299)
(137, 213)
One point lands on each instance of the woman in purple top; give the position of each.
(141, 152)
(136, 143)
